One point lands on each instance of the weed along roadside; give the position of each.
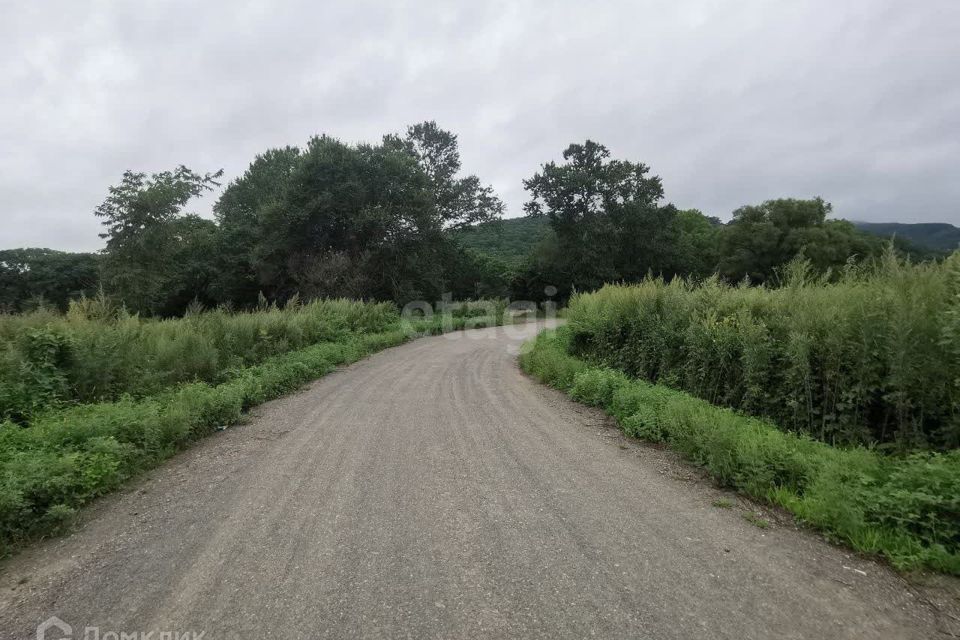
(901, 507)
(74, 431)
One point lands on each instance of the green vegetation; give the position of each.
(723, 503)
(510, 240)
(905, 508)
(32, 278)
(610, 224)
(756, 520)
(934, 236)
(606, 216)
(867, 357)
(398, 221)
(762, 238)
(329, 220)
(97, 352)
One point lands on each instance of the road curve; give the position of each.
(434, 491)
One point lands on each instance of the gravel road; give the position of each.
(434, 491)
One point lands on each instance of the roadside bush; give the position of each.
(905, 508)
(96, 353)
(547, 359)
(870, 357)
(597, 387)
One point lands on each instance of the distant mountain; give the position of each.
(931, 235)
(510, 239)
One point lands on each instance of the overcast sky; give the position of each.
(729, 102)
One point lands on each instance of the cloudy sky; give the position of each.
(730, 102)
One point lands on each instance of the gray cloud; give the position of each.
(730, 103)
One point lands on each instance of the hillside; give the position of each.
(510, 239)
(931, 235)
(513, 238)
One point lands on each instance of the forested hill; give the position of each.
(513, 238)
(510, 239)
(931, 235)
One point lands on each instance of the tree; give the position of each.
(238, 212)
(762, 238)
(355, 220)
(34, 276)
(697, 246)
(140, 203)
(155, 255)
(606, 215)
(460, 201)
(335, 219)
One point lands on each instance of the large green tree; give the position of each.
(360, 221)
(460, 201)
(238, 213)
(763, 238)
(697, 250)
(335, 219)
(606, 215)
(157, 258)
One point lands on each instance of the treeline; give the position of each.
(609, 224)
(330, 219)
(388, 222)
(33, 278)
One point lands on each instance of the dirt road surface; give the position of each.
(434, 491)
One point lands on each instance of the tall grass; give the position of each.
(96, 352)
(869, 357)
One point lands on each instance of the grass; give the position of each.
(756, 520)
(723, 503)
(870, 356)
(905, 508)
(97, 352)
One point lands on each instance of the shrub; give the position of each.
(95, 353)
(597, 387)
(870, 357)
(547, 359)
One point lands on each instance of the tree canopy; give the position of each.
(33, 277)
(157, 258)
(762, 238)
(362, 220)
(399, 220)
(606, 215)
